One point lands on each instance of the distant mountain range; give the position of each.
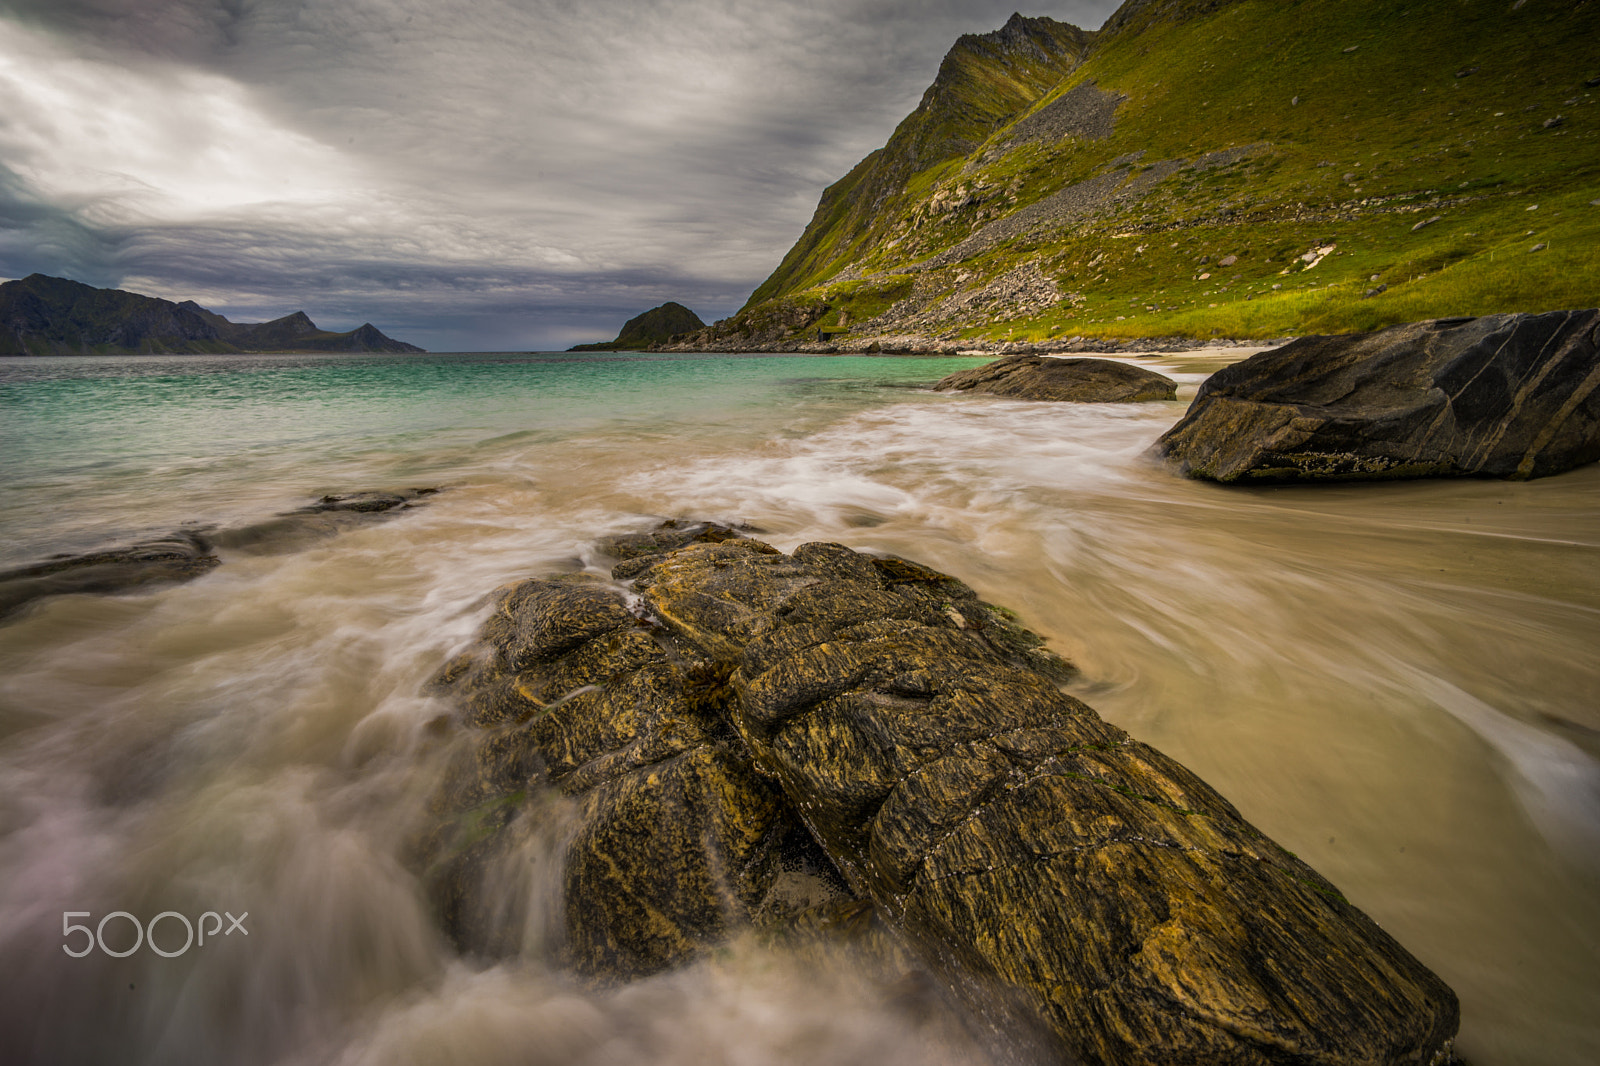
(1200, 168)
(41, 315)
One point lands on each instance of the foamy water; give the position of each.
(1396, 681)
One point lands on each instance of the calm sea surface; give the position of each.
(1401, 683)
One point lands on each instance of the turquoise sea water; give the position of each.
(1395, 681)
(94, 446)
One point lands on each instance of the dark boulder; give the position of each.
(1039, 377)
(740, 713)
(1507, 396)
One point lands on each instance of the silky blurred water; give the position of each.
(1398, 682)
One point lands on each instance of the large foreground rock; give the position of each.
(1039, 377)
(741, 716)
(1508, 396)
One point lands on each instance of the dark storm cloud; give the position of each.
(437, 159)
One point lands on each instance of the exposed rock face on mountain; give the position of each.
(1509, 396)
(1034, 377)
(656, 326)
(41, 315)
(742, 717)
(1167, 176)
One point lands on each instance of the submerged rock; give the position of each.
(328, 516)
(366, 502)
(178, 557)
(1508, 396)
(1038, 377)
(189, 553)
(738, 714)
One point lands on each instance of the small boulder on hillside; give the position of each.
(1507, 396)
(1039, 377)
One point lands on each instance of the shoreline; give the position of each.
(914, 344)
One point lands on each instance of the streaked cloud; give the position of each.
(541, 169)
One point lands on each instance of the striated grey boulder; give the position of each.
(1507, 396)
(1038, 377)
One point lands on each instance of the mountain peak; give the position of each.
(298, 322)
(984, 80)
(1019, 30)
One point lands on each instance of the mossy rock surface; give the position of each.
(675, 840)
(759, 719)
(1506, 396)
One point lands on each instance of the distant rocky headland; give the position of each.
(659, 325)
(42, 315)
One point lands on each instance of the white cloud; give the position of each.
(161, 145)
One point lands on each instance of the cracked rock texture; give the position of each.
(1508, 396)
(740, 714)
(1037, 377)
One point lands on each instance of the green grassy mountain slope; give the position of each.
(41, 315)
(1246, 168)
(983, 80)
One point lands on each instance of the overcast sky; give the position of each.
(466, 174)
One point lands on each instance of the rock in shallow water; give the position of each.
(178, 557)
(1038, 377)
(190, 553)
(1508, 396)
(748, 713)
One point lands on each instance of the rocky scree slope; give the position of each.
(1201, 168)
